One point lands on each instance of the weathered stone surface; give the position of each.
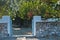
(3, 30)
(48, 28)
(23, 38)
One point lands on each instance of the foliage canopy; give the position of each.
(26, 9)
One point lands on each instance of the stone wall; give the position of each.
(3, 30)
(47, 29)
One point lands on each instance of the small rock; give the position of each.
(24, 38)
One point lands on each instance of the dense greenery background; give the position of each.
(26, 9)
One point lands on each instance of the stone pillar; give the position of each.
(35, 19)
(6, 22)
(9, 22)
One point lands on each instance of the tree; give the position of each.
(23, 8)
